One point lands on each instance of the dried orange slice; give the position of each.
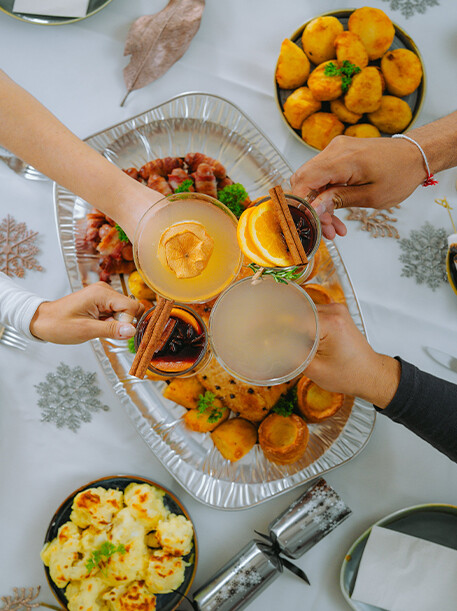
(185, 248)
(245, 242)
(187, 317)
(265, 231)
(318, 293)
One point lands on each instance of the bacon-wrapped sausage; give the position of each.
(205, 180)
(162, 167)
(193, 160)
(177, 177)
(160, 184)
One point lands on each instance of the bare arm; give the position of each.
(35, 135)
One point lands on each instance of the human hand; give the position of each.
(360, 172)
(85, 315)
(346, 363)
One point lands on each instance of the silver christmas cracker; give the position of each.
(308, 520)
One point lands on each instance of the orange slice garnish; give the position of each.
(265, 231)
(187, 317)
(185, 249)
(245, 242)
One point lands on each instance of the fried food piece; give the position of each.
(207, 421)
(402, 70)
(318, 293)
(205, 180)
(318, 38)
(393, 116)
(283, 439)
(339, 109)
(362, 130)
(177, 177)
(315, 403)
(161, 167)
(139, 288)
(299, 106)
(293, 66)
(321, 127)
(251, 402)
(234, 438)
(374, 28)
(365, 92)
(325, 87)
(193, 160)
(349, 47)
(159, 183)
(184, 391)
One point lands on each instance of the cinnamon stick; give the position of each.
(288, 226)
(151, 337)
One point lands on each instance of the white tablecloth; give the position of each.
(76, 71)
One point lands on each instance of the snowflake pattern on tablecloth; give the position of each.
(424, 256)
(69, 397)
(17, 248)
(409, 7)
(242, 581)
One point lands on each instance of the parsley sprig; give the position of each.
(131, 345)
(103, 553)
(185, 186)
(280, 275)
(233, 197)
(206, 402)
(347, 70)
(286, 402)
(122, 235)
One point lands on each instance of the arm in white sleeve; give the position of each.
(17, 306)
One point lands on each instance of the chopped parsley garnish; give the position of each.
(206, 402)
(122, 235)
(286, 403)
(184, 186)
(103, 553)
(233, 197)
(347, 70)
(279, 275)
(131, 345)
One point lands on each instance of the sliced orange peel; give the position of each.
(185, 249)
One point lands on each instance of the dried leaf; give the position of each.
(379, 224)
(23, 599)
(156, 42)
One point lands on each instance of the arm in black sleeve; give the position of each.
(427, 406)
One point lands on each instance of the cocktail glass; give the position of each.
(264, 332)
(224, 262)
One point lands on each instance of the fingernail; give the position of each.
(126, 331)
(123, 317)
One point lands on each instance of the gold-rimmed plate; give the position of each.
(94, 6)
(402, 40)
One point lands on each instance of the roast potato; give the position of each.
(374, 28)
(362, 130)
(324, 87)
(365, 92)
(139, 288)
(293, 66)
(184, 391)
(339, 109)
(318, 38)
(299, 106)
(234, 438)
(283, 439)
(402, 71)
(207, 421)
(349, 47)
(321, 127)
(394, 115)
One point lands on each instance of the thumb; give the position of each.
(343, 197)
(109, 328)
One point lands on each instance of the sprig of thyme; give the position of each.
(206, 402)
(280, 275)
(122, 235)
(347, 70)
(103, 553)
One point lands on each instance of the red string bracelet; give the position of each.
(429, 181)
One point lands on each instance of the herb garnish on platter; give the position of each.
(122, 235)
(185, 186)
(280, 275)
(286, 403)
(233, 197)
(206, 402)
(347, 70)
(103, 553)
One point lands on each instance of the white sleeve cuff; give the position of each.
(17, 307)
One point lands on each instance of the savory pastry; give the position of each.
(251, 402)
(349, 47)
(235, 438)
(365, 93)
(293, 66)
(139, 288)
(96, 506)
(318, 38)
(146, 504)
(318, 293)
(362, 130)
(339, 109)
(175, 535)
(320, 128)
(394, 115)
(323, 86)
(374, 28)
(315, 403)
(402, 71)
(299, 106)
(207, 420)
(184, 391)
(283, 439)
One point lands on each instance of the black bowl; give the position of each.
(165, 602)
